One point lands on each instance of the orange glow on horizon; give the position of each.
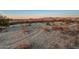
(27, 17)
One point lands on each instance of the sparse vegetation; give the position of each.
(53, 35)
(4, 21)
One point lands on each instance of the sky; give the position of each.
(38, 13)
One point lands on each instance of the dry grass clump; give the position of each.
(23, 46)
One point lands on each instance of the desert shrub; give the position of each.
(4, 21)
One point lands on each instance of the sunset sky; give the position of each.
(38, 13)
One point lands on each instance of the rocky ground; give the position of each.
(41, 39)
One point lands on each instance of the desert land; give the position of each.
(41, 33)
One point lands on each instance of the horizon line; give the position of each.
(27, 17)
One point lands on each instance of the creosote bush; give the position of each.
(4, 21)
